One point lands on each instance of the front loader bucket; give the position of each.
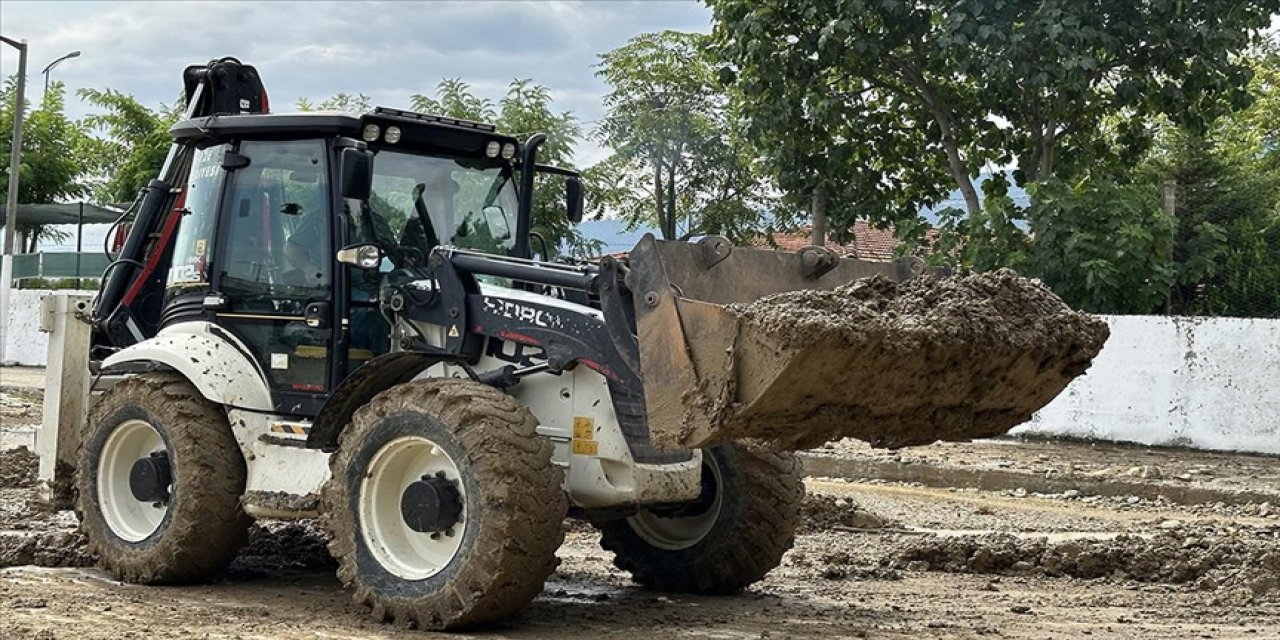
(740, 343)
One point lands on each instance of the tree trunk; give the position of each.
(1047, 143)
(959, 172)
(659, 199)
(1170, 203)
(818, 209)
(671, 201)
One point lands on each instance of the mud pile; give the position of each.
(18, 468)
(276, 547)
(273, 548)
(56, 549)
(900, 364)
(18, 408)
(1235, 565)
(826, 513)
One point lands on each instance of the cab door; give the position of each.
(275, 267)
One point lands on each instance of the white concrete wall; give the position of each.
(1208, 383)
(27, 345)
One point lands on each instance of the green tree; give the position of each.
(455, 99)
(677, 161)
(1226, 188)
(1106, 242)
(894, 104)
(130, 144)
(1102, 246)
(52, 166)
(356, 103)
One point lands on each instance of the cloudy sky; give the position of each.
(387, 50)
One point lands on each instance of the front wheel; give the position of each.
(444, 507)
(735, 533)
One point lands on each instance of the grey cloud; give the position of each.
(387, 50)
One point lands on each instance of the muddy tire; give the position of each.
(736, 533)
(444, 568)
(198, 525)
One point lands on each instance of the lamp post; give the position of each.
(11, 206)
(73, 54)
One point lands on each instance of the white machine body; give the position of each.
(573, 408)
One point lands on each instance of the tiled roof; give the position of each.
(868, 243)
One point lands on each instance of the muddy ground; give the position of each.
(874, 559)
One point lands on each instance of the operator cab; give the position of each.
(271, 201)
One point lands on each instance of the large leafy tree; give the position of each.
(890, 105)
(677, 160)
(52, 166)
(130, 142)
(1193, 227)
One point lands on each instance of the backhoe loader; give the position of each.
(336, 316)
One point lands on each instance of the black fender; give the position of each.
(372, 378)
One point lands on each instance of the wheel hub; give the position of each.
(431, 505)
(134, 476)
(150, 477)
(678, 527)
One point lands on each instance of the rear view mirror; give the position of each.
(497, 221)
(357, 174)
(573, 196)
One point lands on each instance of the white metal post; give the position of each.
(64, 316)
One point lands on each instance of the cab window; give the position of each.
(420, 202)
(277, 237)
(194, 242)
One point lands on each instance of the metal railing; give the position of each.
(58, 265)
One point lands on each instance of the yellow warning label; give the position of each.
(584, 428)
(453, 331)
(585, 447)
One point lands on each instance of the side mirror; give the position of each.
(497, 221)
(357, 174)
(363, 256)
(573, 195)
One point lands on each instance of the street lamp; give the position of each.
(11, 207)
(73, 54)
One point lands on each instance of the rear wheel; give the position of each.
(160, 481)
(444, 508)
(734, 534)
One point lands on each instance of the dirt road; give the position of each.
(854, 574)
(875, 559)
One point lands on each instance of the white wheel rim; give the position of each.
(129, 518)
(406, 553)
(681, 532)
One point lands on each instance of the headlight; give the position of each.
(369, 256)
(371, 132)
(393, 135)
(508, 151)
(364, 256)
(492, 149)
